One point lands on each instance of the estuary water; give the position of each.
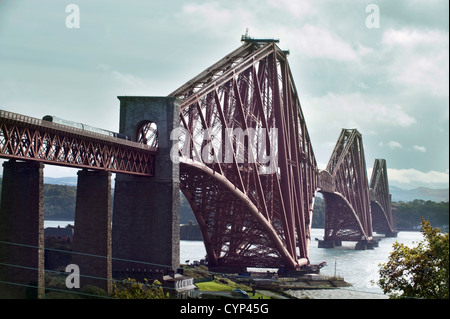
(357, 267)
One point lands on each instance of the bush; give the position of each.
(421, 271)
(131, 289)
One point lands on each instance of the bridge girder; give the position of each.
(31, 139)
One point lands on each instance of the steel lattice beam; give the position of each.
(345, 188)
(381, 199)
(26, 138)
(265, 221)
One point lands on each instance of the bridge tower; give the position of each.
(145, 227)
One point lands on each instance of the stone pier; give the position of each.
(22, 231)
(92, 235)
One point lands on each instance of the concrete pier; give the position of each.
(22, 230)
(326, 243)
(366, 244)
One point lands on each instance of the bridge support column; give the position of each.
(390, 233)
(329, 243)
(146, 222)
(365, 244)
(22, 230)
(92, 233)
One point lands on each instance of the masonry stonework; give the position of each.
(22, 230)
(92, 234)
(146, 223)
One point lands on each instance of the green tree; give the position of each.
(421, 271)
(131, 289)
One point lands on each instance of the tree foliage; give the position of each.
(59, 201)
(421, 271)
(131, 289)
(409, 214)
(318, 218)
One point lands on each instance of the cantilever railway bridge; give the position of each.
(246, 163)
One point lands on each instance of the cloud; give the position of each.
(415, 177)
(285, 19)
(419, 58)
(412, 38)
(210, 13)
(360, 110)
(214, 17)
(394, 145)
(294, 8)
(127, 81)
(420, 148)
(393, 115)
(316, 41)
(104, 67)
(321, 165)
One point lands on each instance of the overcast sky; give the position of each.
(389, 81)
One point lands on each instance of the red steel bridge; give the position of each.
(351, 204)
(246, 163)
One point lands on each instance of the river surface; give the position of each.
(357, 267)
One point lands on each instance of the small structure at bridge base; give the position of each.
(391, 234)
(329, 243)
(366, 244)
(22, 231)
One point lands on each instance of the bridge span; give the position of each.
(26, 138)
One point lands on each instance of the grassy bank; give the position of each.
(227, 285)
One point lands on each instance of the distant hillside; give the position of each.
(69, 181)
(60, 196)
(398, 194)
(423, 193)
(59, 201)
(186, 215)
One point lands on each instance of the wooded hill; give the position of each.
(59, 204)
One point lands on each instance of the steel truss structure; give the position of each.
(27, 138)
(247, 166)
(345, 189)
(380, 200)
